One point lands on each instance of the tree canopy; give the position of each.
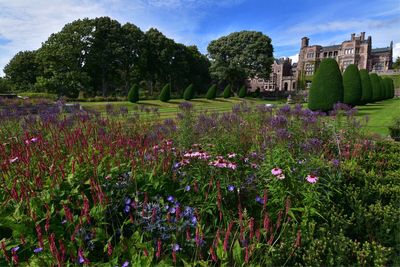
(240, 55)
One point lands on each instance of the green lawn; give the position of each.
(380, 114)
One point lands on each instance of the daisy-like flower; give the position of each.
(231, 155)
(276, 171)
(312, 179)
(14, 160)
(280, 176)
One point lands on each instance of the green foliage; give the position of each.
(387, 84)
(396, 64)
(257, 92)
(212, 92)
(5, 85)
(376, 87)
(165, 94)
(227, 91)
(189, 92)
(243, 92)
(352, 90)
(240, 55)
(382, 92)
(39, 95)
(133, 95)
(366, 86)
(394, 129)
(327, 86)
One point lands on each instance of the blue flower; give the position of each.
(259, 200)
(176, 247)
(187, 188)
(15, 249)
(170, 198)
(37, 250)
(193, 221)
(128, 201)
(231, 188)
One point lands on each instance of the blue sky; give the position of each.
(25, 24)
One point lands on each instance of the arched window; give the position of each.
(285, 86)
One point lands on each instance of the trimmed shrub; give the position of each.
(242, 92)
(327, 86)
(376, 87)
(227, 91)
(133, 95)
(212, 92)
(392, 88)
(366, 96)
(352, 90)
(165, 94)
(189, 93)
(388, 87)
(257, 93)
(382, 90)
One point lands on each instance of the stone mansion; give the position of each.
(358, 50)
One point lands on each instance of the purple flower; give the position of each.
(170, 198)
(231, 188)
(15, 249)
(259, 200)
(193, 220)
(127, 209)
(37, 250)
(187, 188)
(128, 201)
(176, 247)
(125, 264)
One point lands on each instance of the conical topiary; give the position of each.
(165, 94)
(327, 86)
(212, 92)
(227, 91)
(352, 90)
(376, 87)
(366, 96)
(242, 92)
(189, 93)
(133, 95)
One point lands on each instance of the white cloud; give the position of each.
(294, 58)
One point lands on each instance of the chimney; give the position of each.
(352, 36)
(304, 42)
(362, 36)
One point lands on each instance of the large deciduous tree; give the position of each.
(240, 55)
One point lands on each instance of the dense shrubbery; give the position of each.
(352, 89)
(327, 86)
(189, 92)
(256, 186)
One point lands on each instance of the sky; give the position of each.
(25, 24)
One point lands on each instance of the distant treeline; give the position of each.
(101, 57)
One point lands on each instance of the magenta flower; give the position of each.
(276, 171)
(312, 179)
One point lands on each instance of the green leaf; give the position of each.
(237, 253)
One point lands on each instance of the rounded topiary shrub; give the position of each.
(352, 90)
(387, 87)
(189, 93)
(227, 91)
(376, 87)
(392, 88)
(242, 92)
(327, 86)
(133, 95)
(382, 90)
(212, 92)
(366, 96)
(165, 94)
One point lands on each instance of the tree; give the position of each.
(376, 87)
(189, 92)
(212, 92)
(227, 91)
(165, 94)
(396, 64)
(240, 55)
(22, 70)
(366, 96)
(242, 92)
(5, 85)
(327, 86)
(352, 89)
(133, 95)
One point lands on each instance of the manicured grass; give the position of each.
(170, 109)
(380, 115)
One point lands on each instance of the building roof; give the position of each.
(331, 47)
(381, 50)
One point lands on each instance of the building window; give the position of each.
(335, 53)
(260, 80)
(310, 55)
(357, 50)
(309, 69)
(349, 51)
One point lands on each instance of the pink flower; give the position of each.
(231, 155)
(276, 171)
(280, 176)
(312, 179)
